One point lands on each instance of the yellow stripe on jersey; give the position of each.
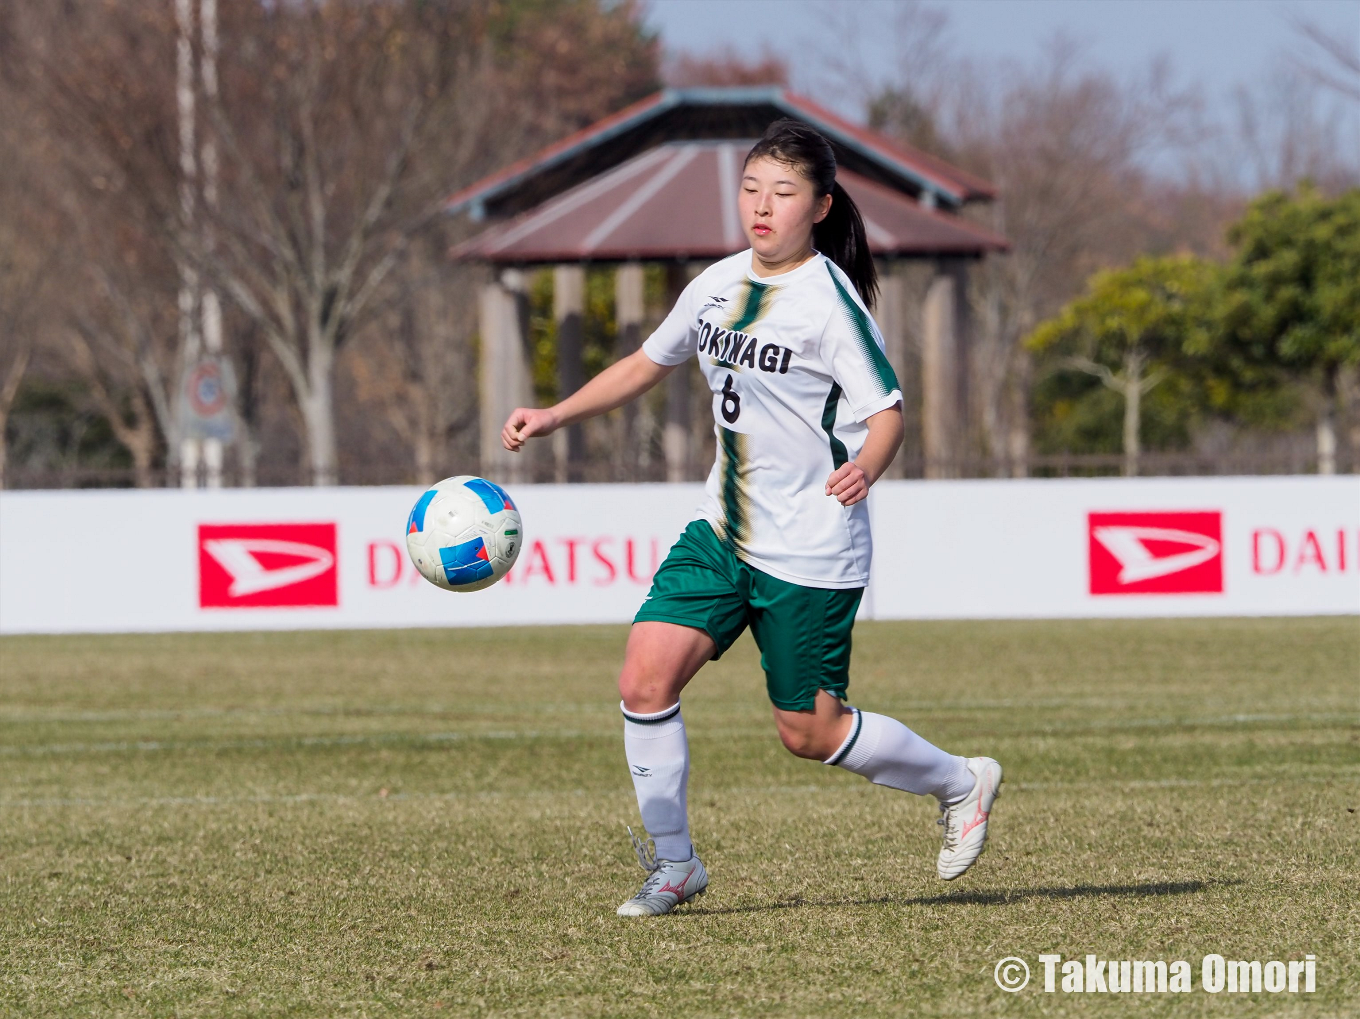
(754, 305)
(735, 499)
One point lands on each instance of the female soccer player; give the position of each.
(808, 415)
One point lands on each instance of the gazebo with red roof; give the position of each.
(657, 182)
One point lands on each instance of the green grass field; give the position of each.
(432, 823)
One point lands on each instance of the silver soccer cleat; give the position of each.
(669, 883)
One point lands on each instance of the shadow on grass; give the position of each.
(981, 898)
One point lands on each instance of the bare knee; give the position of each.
(814, 735)
(804, 742)
(660, 660)
(643, 690)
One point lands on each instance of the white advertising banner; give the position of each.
(1267, 546)
(248, 559)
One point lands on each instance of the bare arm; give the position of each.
(850, 482)
(622, 381)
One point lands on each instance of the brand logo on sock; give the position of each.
(642, 772)
(1156, 553)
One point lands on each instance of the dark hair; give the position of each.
(840, 236)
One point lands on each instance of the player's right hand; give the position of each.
(525, 423)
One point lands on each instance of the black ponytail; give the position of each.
(840, 236)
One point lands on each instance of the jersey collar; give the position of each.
(812, 265)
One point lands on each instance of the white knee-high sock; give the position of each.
(658, 757)
(886, 752)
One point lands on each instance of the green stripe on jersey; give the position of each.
(736, 519)
(753, 306)
(887, 378)
(838, 454)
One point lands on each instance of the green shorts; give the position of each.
(803, 632)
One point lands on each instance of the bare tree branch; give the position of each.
(1339, 67)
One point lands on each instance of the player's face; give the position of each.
(778, 207)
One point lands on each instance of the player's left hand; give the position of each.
(848, 483)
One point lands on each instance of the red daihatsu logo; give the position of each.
(266, 566)
(1156, 553)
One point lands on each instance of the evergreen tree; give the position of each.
(1132, 329)
(1291, 298)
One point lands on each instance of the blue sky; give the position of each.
(1218, 44)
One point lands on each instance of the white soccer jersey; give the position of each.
(796, 366)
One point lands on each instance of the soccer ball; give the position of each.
(464, 534)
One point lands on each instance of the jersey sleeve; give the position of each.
(676, 340)
(852, 347)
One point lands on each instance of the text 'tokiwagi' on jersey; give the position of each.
(742, 348)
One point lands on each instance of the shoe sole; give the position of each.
(683, 902)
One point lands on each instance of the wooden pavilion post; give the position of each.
(504, 381)
(631, 453)
(944, 369)
(891, 316)
(675, 437)
(569, 306)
